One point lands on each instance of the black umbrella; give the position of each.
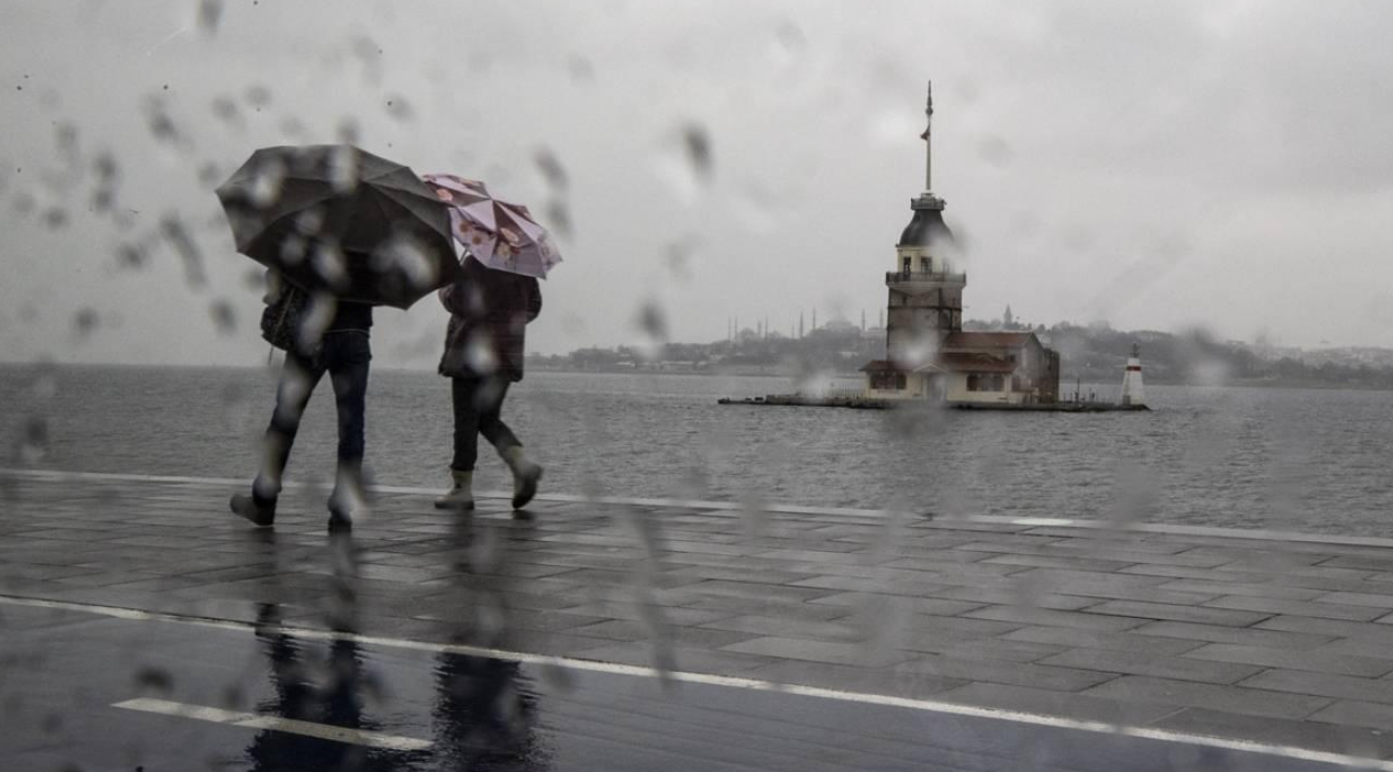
(336, 219)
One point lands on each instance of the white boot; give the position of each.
(526, 475)
(459, 497)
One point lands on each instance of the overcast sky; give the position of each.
(1158, 165)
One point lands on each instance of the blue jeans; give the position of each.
(345, 356)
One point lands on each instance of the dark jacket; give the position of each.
(489, 311)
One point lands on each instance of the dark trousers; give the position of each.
(478, 406)
(345, 356)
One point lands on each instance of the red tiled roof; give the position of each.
(960, 340)
(971, 362)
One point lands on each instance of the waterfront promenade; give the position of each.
(1281, 644)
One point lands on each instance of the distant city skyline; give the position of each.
(1199, 163)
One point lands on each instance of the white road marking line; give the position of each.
(794, 509)
(612, 668)
(340, 734)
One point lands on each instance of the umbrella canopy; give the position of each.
(502, 236)
(337, 219)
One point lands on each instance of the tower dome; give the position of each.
(926, 227)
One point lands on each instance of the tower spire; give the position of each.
(927, 136)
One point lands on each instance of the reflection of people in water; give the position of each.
(485, 716)
(333, 696)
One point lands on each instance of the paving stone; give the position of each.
(819, 651)
(1039, 616)
(1341, 739)
(1201, 615)
(837, 631)
(1293, 660)
(1303, 608)
(1333, 627)
(733, 605)
(962, 627)
(1037, 676)
(997, 648)
(1015, 596)
(1214, 588)
(1323, 685)
(1048, 578)
(1358, 648)
(893, 583)
(1382, 601)
(1057, 561)
(1247, 636)
(1093, 639)
(1072, 705)
(1361, 562)
(1353, 713)
(1180, 668)
(1231, 699)
(855, 601)
(752, 590)
(632, 611)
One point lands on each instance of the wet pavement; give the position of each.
(143, 626)
(85, 691)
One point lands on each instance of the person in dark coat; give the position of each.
(489, 311)
(343, 351)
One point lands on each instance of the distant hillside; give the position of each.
(1094, 353)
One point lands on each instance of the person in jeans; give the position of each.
(489, 311)
(344, 352)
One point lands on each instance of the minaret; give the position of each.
(925, 295)
(800, 323)
(1132, 391)
(814, 320)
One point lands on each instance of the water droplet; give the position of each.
(55, 218)
(227, 111)
(348, 131)
(399, 109)
(257, 95)
(581, 69)
(265, 188)
(698, 144)
(177, 234)
(223, 316)
(995, 151)
(559, 217)
(85, 322)
(154, 679)
(33, 443)
(552, 170)
(130, 256)
(344, 171)
(330, 265)
(652, 322)
(209, 14)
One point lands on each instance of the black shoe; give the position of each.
(261, 512)
(339, 521)
(526, 485)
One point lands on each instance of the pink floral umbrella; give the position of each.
(498, 234)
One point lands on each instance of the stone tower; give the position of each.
(925, 294)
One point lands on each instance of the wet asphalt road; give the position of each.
(84, 691)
